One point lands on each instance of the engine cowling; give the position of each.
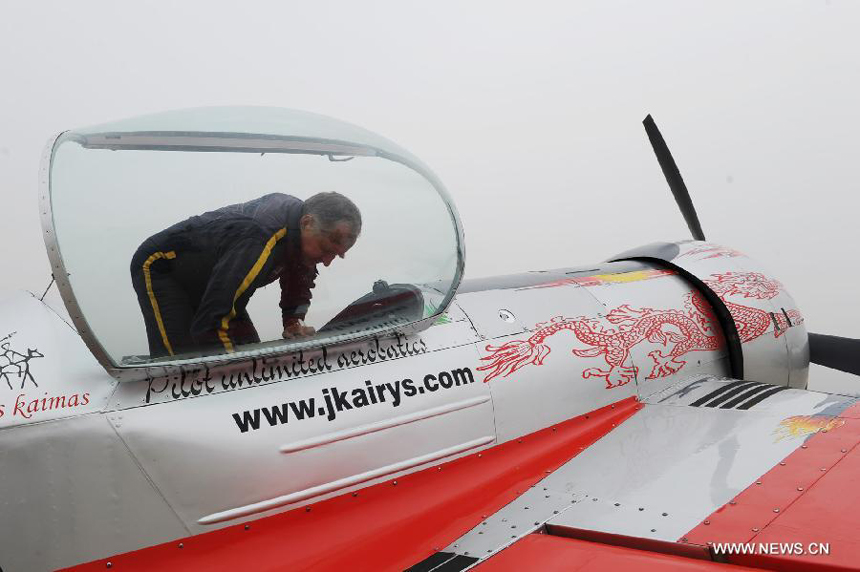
(764, 329)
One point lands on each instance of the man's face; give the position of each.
(324, 245)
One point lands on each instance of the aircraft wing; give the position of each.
(654, 483)
(702, 464)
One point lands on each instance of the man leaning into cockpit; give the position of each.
(194, 279)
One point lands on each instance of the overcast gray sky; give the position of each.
(530, 113)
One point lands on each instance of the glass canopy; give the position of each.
(192, 236)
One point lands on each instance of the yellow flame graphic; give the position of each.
(803, 425)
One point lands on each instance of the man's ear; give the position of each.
(307, 221)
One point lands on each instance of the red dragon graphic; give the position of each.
(688, 330)
(713, 251)
(752, 322)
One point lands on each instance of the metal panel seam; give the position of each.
(489, 389)
(62, 319)
(144, 472)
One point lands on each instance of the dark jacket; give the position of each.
(223, 256)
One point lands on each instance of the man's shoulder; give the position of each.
(280, 198)
(274, 211)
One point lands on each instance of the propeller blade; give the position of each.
(835, 352)
(673, 177)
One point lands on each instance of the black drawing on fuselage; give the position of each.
(13, 362)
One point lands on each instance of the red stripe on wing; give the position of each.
(384, 527)
(810, 497)
(550, 553)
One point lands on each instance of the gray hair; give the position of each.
(331, 208)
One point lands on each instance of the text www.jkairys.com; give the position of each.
(335, 401)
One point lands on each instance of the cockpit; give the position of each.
(197, 236)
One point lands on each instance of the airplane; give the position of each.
(637, 412)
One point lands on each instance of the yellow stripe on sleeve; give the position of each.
(249, 279)
(148, 279)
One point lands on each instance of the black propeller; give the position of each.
(830, 351)
(673, 177)
(835, 352)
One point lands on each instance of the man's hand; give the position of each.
(297, 329)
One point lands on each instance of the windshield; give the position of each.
(187, 245)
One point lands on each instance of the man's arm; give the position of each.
(296, 285)
(232, 282)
